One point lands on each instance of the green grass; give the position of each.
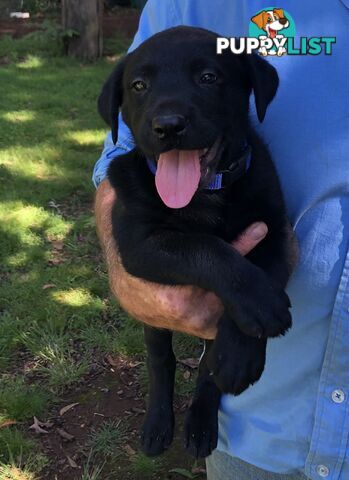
(92, 472)
(21, 401)
(56, 313)
(145, 466)
(19, 456)
(54, 296)
(107, 439)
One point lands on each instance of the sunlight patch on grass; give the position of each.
(36, 161)
(87, 137)
(26, 216)
(17, 260)
(77, 297)
(11, 472)
(19, 116)
(32, 61)
(21, 219)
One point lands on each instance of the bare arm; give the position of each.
(186, 309)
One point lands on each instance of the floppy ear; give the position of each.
(264, 82)
(279, 11)
(259, 20)
(110, 98)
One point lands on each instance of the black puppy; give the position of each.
(197, 178)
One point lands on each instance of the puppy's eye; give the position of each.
(208, 78)
(139, 86)
(269, 20)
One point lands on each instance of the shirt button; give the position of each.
(322, 470)
(338, 396)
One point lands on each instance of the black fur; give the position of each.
(191, 245)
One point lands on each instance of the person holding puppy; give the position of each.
(294, 422)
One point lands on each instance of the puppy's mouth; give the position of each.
(180, 172)
(272, 32)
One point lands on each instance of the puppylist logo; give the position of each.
(272, 31)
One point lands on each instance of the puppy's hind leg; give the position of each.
(158, 426)
(201, 425)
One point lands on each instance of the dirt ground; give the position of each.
(112, 393)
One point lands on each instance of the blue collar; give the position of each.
(224, 178)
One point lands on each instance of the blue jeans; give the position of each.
(221, 466)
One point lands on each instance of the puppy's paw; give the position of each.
(157, 432)
(261, 310)
(201, 429)
(236, 364)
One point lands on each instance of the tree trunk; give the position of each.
(84, 16)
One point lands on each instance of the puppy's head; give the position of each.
(271, 21)
(185, 105)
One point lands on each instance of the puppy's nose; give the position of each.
(168, 125)
(283, 20)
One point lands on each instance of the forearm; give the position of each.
(186, 309)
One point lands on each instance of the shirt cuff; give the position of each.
(110, 151)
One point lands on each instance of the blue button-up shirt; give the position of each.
(296, 418)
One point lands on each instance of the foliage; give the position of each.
(40, 6)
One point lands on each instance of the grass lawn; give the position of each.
(58, 323)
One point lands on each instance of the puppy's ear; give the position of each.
(110, 98)
(279, 12)
(259, 20)
(264, 82)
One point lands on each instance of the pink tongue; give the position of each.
(177, 177)
(272, 33)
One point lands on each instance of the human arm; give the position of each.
(187, 309)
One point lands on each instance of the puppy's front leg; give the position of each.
(174, 258)
(158, 426)
(235, 360)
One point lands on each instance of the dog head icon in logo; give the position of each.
(271, 21)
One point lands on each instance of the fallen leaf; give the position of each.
(7, 423)
(72, 463)
(199, 470)
(65, 434)
(113, 362)
(190, 362)
(67, 408)
(37, 426)
(135, 364)
(129, 450)
(140, 411)
(48, 285)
